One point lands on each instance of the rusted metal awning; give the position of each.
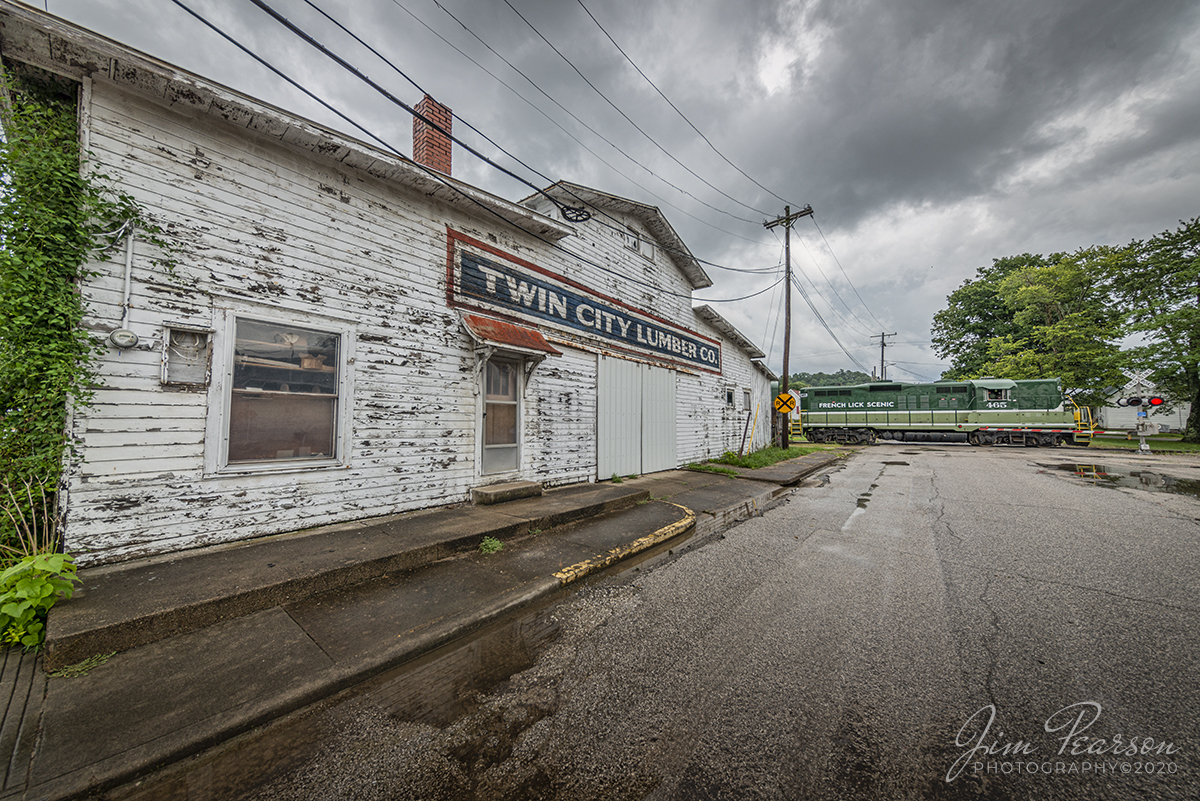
(507, 336)
(495, 337)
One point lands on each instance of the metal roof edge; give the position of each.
(762, 368)
(710, 316)
(650, 216)
(57, 45)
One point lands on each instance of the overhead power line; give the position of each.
(637, 127)
(862, 325)
(616, 225)
(575, 117)
(828, 330)
(843, 269)
(673, 106)
(559, 125)
(856, 323)
(341, 62)
(433, 174)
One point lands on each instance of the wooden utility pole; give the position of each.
(786, 221)
(882, 344)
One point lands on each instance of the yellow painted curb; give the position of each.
(587, 566)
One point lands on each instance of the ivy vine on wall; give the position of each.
(54, 220)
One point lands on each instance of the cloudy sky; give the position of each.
(929, 136)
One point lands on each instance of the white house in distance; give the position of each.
(350, 333)
(1171, 417)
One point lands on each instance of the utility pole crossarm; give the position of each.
(883, 335)
(788, 218)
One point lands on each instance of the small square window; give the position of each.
(636, 242)
(186, 357)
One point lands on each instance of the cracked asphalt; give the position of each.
(925, 622)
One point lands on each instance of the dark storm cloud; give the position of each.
(941, 100)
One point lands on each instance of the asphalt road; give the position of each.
(927, 622)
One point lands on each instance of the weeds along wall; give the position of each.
(53, 218)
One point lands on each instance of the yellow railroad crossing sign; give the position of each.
(785, 402)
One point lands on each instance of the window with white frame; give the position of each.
(284, 393)
(636, 242)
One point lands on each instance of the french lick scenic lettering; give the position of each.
(501, 287)
(857, 405)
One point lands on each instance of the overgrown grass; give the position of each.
(82, 668)
(712, 468)
(769, 456)
(1156, 444)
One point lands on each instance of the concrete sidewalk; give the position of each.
(215, 642)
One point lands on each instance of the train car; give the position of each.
(989, 411)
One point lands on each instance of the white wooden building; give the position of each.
(351, 334)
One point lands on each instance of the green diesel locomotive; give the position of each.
(988, 411)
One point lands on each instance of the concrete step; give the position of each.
(122, 606)
(502, 493)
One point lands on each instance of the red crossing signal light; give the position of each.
(1152, 400)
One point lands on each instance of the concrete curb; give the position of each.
(589, 566)
(199, 734)
(198, 737)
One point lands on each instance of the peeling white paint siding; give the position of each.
(261, 227)
(559, 438)
(706, 426)
(608, 266)
(257, 225)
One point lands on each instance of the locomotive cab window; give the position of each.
(997, 394)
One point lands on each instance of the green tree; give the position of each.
(1035, 317)
(1157, 287)
(976, 314)
(1067, 325)
(839, 379)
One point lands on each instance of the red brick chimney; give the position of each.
(431, 147)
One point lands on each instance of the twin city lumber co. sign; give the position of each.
(507, 285)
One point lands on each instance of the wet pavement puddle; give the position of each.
(1106, 476)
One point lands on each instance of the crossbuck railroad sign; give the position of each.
(785, 402)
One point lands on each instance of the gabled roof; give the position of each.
(574, 194)
(710, 316)
(41, 39)
(762, 368)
